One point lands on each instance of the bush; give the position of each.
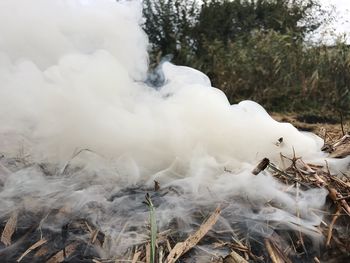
(281, 74)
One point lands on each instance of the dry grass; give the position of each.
(30, 245)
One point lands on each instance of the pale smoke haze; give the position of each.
(72, 77)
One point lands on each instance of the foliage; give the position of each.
(153, 227)
(226, 20)
(169, 26)
(281, 74)
(255, 49)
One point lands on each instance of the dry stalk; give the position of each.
(276, 255)
(9, 229)
(331, 225)
(148, 253)
(61, 255)
(32, 247)
(234, 257)
(183, 247)
(334, 195)
(136, 257)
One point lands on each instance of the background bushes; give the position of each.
(255, 50)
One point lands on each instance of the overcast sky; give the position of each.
(342, 22)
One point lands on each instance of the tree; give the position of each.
(180, 27)
(254, 49)
(225, 20)
(169, 25)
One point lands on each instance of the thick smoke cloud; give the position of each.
(72, 77)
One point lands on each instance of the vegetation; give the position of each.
(255, 50)
(153, 228)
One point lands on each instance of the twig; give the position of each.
(343, 198)
(60, 257)
(274, 168)
(183, 247)
(341, 140)
(334, 195)
(275, 253)
(75, 154)
(32, 247)
(148, 253)
(234, 258)
(264, 163)
(331, 225)
(136, 257)
(271, 252)
(341, 123)
(9, 229)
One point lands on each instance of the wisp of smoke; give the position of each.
(91, 134)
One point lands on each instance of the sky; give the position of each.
(341, 24)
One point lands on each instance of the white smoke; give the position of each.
(72, 77)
